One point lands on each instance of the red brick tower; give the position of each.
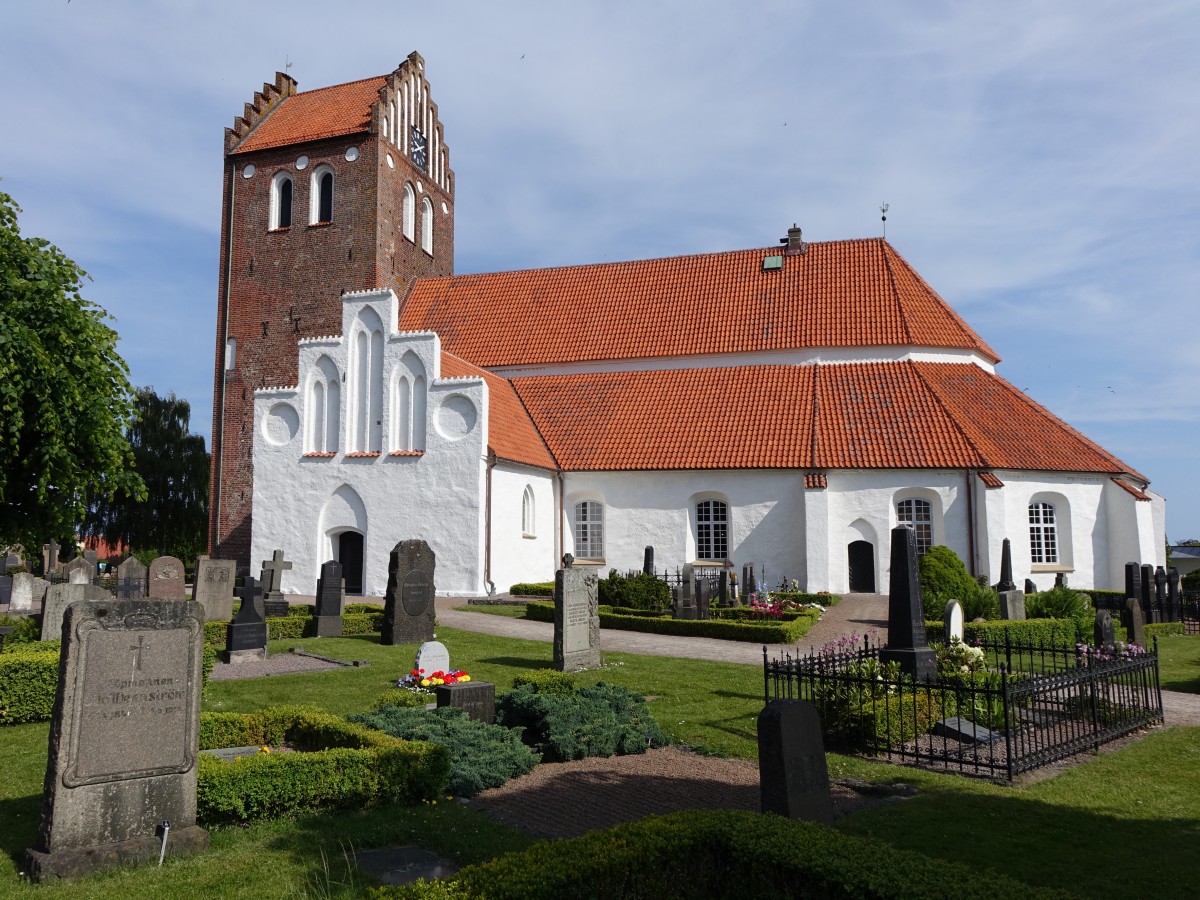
(345, 188)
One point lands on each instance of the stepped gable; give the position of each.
(311, 116)
(857, 293)
(888, 415)
(511, 433)
(264, 102)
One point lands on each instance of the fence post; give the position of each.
(1007, 647)
(1157, 684)
(1008, 730)
(766, 678)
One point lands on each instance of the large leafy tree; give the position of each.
(174, 466)
(65, 398)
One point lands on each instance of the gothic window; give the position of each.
(527, 512)
(1043, 533)
(366, 384)
(918, 514)
(427, 226)
(712, 529)
(281, 201)
(589, 530)
(321, 196)
(322, 408)
(230, 354)
(410, 213)
(408, 405)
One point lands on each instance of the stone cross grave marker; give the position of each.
(1134, 622)
(907, 643)
(27, 590)
(576, 619)
(952, 620)
(409, 607)
(166, 579)
(124, 739)
(793, 777)
(328, 612)
(131, 579)
(432, 656)
(1103, 631)
(79, 571)
(50, 557)
(272, 575)
(214, 588)
(246, 635)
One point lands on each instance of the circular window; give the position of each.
(302, 162)
(248, 171)
(456, 417)
(420, 188)
(280, 424)
(352, 154)
(391, 162)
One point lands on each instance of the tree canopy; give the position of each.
(65, 398)
(173, 464)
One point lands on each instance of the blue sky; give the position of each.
(1040, 162)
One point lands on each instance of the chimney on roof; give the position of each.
(794, 242)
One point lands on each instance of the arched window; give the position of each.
(407, 430)
(323, 408)
(366, 384)
(1043, 533)
(427, 226)
(320, 196)
(410, 213)
(918, 514)
(528, 524)
(589, 529)
(712, 529)
(230, 354)
(281, 201)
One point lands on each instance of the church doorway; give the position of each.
(861, 555)
(349, 552)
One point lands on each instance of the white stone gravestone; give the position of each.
(953, 621)
(432, 656)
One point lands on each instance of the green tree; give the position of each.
(65, 398)
(173, 464)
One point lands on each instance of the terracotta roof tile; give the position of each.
(815, 481)
(990, 480)
(511, 433)
(315, 115)
(838, 294)
(1129, 488)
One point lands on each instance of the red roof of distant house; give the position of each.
(315, 115)
(857, 293)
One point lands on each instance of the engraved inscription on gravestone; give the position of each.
(575, 635)
(416, 594)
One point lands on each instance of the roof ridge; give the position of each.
(330, 87)
(815, 437)
(887, 262)
(537, 429)
(979, 456)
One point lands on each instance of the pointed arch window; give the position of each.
(407, 427)
(281, 201)
(365, 432)
(528, 522)
(918, 515)
(409, 217)
(323, 405)
(427, 226)
(320, 195)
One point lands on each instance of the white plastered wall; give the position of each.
(517, 555)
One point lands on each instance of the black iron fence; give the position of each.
(996, 710)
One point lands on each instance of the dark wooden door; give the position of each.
(862, 567)
(350, 555)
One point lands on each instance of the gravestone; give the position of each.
(704, 593)
(478, 698)
(10, 561)
(79, 571)
(648, 561)
(576, 620)
(907, 644)
(58, 598)
(432, 656)
(5, 589)
(1030, 587)
(272, 576)
(1006, 575)
(1060, 580)
(793, 777)
(1147, 592)
(327, 616)
(131, 579)
(246, 635)
(92, 557)
(275, 609)
(213, 589)
(1103, 631)
(28, 591)
(1012, 605)
(1174, 604)
(747, 585)
(1133, 580)
(409, 607)
(1160, 594)
(166, 579)
(685, 603)
(952, 621)
(50, 553)
(124, 738)
(723, 589)
(963, 730)
(1134, 622)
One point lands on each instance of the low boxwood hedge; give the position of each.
(1056, 632)
(538, 589)
(771, 632)
(718, 854)
(340, 765)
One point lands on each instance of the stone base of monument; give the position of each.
(1012, 605)
(275, 608)
(237, 657)
(920, 663)
(83, 861)
(478, 698)
(217, 609)
(326, 626)
(686, 612)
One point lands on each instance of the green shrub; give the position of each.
(481, 755)
(746, 614)
(1060, 603)
(802, 597)
(711, 854)
(945, 578)
(1162, 629)
(26, 630)
(539, 589)
(547, 681)
(359, 609)
(641, 591)
(1057, 632)
(1191, 581)
(341, 765)
(598, 720)
(401, 697)
(27, 684)
(295, 627)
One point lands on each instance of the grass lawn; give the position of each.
(510, 610)
(1179, 662)
(1123, 824)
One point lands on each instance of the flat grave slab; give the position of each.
(403, 865)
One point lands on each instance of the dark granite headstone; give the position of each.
(478, 698)
(1147, 594)
(723, 589)
(272, 576)
(747, 584)
(1133, 580)
(1006, 575)
(793, 777)
(327, 618)
(576, 620)
(907, 644)
(1134, 621)
(409, 609)
(1174, 599)
(1103, 630)
(124, 738)
(5, 589)
(1160, 594)
(1030, 586)
(131, 579)
(213, 589)
(246, 635)
(166, 579)
(1060, 580)
(648, 561)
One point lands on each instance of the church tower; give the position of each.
(345, 188)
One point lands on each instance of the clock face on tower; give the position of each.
(417, 148)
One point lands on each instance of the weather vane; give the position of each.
(883, 209)
(287, 63)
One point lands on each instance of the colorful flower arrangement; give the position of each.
(420, 682)
(764, 606)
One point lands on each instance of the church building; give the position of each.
(784, 406)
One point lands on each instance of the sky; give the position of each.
(1039, 162)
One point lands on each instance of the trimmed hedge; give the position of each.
(802, 597)
(540, 589)
(757, 632)
(709, 854)
(341, 766)
(294, 627)
(27, 684)
(1059, 632)
(746, 614)
(546, 681)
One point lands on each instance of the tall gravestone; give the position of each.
(1174, 604)
(1147, 593)
(327, 620)
(27, 592)
(1103, 631)
(272, 576)
(213, 589)
(1160, 595)
(576, 619)
(704, 595)
(1006, 573)
(685, 603)
(123, 739)
(409, 608)
(92, 558)
(907, 644)
(131, 579)
(58, 598)
(1012, 601)
(952, 621)
(793, 777)
(648, 561)
(50, 553)
(1133, 580)
(246, 635)
(1134, 621)
(166, 579)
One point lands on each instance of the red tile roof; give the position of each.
(315, 115)
(511, 433)
(815, 481)
(989, 479)
(1129, 488)
(814, 417)
(839, 294)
